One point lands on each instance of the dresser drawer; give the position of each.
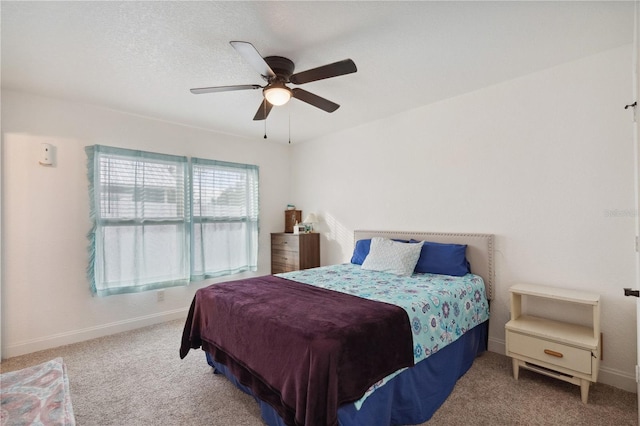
(279, 268)
(284, 242)
(284, 261)
(285, 257)
(557, 354)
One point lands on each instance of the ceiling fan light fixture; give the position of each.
(277, 94)
(277, 71)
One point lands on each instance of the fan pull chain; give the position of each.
(264, 105)
(289, 125)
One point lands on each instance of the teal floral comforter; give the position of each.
(441, 308)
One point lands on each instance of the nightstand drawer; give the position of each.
(568, 357)
(284, 242)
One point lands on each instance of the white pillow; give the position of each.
(392, 256)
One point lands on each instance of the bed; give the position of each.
(347, 344)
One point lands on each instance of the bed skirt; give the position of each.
(411, 397)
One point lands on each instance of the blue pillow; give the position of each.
(361, 251)
(444, 259)
(362, 248)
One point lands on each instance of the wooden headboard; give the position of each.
(479, 249)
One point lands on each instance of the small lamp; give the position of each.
(311, 219)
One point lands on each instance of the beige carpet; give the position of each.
(138, 378)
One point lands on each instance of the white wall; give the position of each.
(45, 213)
(544, 162)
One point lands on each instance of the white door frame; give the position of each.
(636, 136)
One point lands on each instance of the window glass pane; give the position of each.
(142, 255)
(224, 192)
(140, 189)
(224, 247)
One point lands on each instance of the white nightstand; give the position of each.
(558, 349)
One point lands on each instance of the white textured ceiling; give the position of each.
(143, 57)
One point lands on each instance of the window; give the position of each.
(159, 221)
(225, 218)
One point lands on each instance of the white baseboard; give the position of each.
(617, 379)
(497, 346)
(76, 336)
(608, 376)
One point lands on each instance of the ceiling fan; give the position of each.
(277, 71)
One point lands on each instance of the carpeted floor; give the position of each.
(137, 378)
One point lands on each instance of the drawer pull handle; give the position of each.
(553, 353)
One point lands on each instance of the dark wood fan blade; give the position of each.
(251, 55)
(315, 100)
(327, 71)
(202, 90)
(263, 111)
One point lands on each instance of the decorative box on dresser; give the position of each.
(291, 252)
(559, 349)
(291, 217)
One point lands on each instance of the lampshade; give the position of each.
(277, 94)
(311, 218)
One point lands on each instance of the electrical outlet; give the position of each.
(160, 295)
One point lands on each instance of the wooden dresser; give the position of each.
(291, 252)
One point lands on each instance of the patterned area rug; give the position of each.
(37, 395)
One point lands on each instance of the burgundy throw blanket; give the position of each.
(303, 349)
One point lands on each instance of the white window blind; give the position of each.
(225, 218)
